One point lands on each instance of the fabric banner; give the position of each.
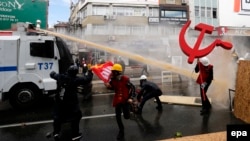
(103, 71)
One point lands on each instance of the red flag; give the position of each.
(103, 71)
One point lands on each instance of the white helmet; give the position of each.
(204, 61)
(143, 77)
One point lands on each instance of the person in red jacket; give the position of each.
(204, 79)
(122, 86)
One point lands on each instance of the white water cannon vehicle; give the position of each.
(27, 58)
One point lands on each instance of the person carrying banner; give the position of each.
(122, 86)
(204, 79)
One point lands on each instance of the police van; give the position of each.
(27, 58)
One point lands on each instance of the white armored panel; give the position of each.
(8, 61)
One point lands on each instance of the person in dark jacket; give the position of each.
(204, 79)
(122, 86)
(148, 90)
(77, 62)
(66, 101)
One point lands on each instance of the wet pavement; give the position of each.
(99, 124)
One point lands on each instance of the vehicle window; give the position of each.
(45, 50)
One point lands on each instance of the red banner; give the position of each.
(103, 71)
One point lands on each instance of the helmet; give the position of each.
(72, 70)
(117, 67)
(143, 77)
(204, 61)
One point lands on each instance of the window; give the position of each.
(122, 30)
(137, 30)
(170, 1)
(153, 12)
(83, 13)
(197, 11)
(154, 30)
(100, 10)
(173, 14)
(214, 13)
(203, 13)
(209, 12)
(45, 50)
(119, 11)
(99, 29)
(129, 11)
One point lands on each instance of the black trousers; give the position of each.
(148, 96)
(206, 105)
(62, 116)
(119, 109)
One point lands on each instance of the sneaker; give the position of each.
(56, 137)
(51, 134)
(120, 135)
(77, 137)
(204, 112)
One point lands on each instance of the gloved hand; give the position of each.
(203, 85)
(90, 72)
(52, 73)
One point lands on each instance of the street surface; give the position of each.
(98, 122)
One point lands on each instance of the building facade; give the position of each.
(140, 26)
(204, 11)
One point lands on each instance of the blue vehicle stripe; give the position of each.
(8, 68)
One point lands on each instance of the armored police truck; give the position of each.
(27, 58)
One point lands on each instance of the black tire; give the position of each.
(24, 96)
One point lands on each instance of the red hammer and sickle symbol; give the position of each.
(195, 52)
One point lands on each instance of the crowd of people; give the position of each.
(67, 108)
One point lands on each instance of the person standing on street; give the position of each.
(83, 66)
(77, 63)
(145, 69)
(148, 90)
(122, 86)
(122, 63)
(204, 79)
(66, 107)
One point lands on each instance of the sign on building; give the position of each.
(13, 11)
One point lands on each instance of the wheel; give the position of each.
(24, 96)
